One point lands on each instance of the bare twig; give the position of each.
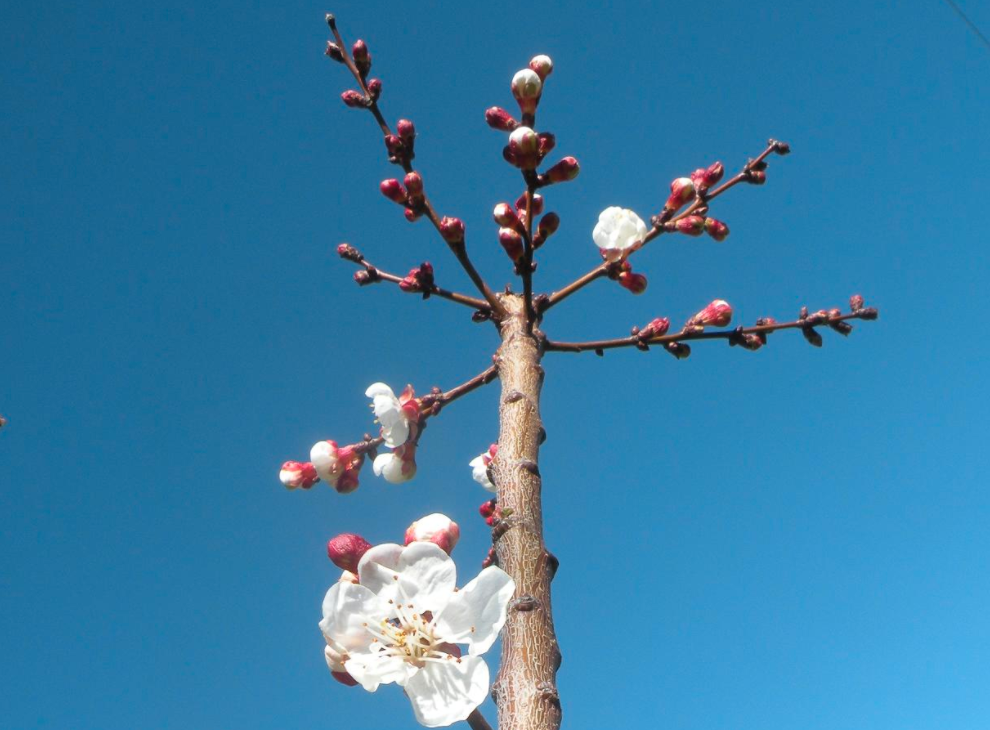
(477, 721)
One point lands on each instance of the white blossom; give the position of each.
(400, 624)
(393, 414)
(617, 230)
(479, 467)
(396, 466)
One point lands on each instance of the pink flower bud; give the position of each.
(500, 119)
(692, 225)
(656, 328)
(542, 65)
(487, 509)
(704, 178)
(375, 89)
(436, 528)
(354, 99)
(348, 252)
(362, 59)
(452, 230)
(346, 550)
(636, 283)
(414, 184)
(406, 130)
(537, 206)
(856, 302)
(547, 143)
(681, 191)
(393, 190)
(524, 147)
(418, 279)
(567, 169)
(512, 243)
(718, 314)
(757, 177)
(394, 146)
(333, 51)
(506, 217)
(527, 87)
(295, 474)
(547, 226)
(348, 481)
(716, 229)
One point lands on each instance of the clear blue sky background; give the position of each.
(794, 538)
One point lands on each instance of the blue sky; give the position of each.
(789, 538)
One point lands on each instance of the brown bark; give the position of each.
(525, 690)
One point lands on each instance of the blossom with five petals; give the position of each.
(402, 624)
(618, 230)
(397, 416)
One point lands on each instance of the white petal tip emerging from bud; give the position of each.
(436, 528)
(618, 229)
(542, 66)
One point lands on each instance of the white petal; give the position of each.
(427, 577)
(371, 669)
(479, 472)
(346, 609)
(377, 568)
(395, 427)
(443, 693)
(477, 612)
(390, 466)
(376, 389)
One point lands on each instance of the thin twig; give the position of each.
(378, 274)
(483, 378)
(477, 721)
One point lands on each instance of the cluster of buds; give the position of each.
(362, 62)
(512, 222)
(717, 314)
(627, 278)
(452, 230)
(401, 146)
(337, 466)
(410, 197)
(490, 512)
(419, 279)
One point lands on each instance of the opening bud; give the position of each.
(506, 217)
(295, 474)
(393, 190)
(681, 191)
(856, 302)
(527, 87)
(716, 229)
(704, 178)
(524, 147)
(354, 99)
(692, 225)
(717, 314)
(452, 230)
(547, 226)
(500, 119)
(537, 206)
(567, 169)
(333, 51)
(542, 66)
(346, 550)
(436, 528)
(512, 242)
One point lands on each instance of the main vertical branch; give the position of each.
(525, 690)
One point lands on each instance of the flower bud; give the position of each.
(362, 59)
(406, 130)
(295, 474)
(781, 148)
(325, 458)
(717, 314)
(363, 278)
(524, 147)
(354, 99)
(393, 190)
(419, 279)
(512, 242)
(812, 336)
(348, 252)
(452, 230)
(527, 87)
(436, 528)
(506, 217)
(636, 283)
(542, 66)
(412, 214)
(536, 208)
(656, 328)
(394, 146)
(414, 184)
(500, 119)
(333, 51)
(681, 191)
(749, 342)
(547, 143)
(756, 177)
(704, 178)
(487, 509)
(716, 229)
(856, 302)
(375, 89)
(346, 550)
(567, 169)
(348, 480)
(547, 226)
(692, 225)
(678, 349)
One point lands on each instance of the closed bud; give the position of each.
(716, 229)
(709, 176)
(295, 474)
(452, 230)
(841, 326)
(363, 278)
(748, 342)
(542, 66)
(692, 225)
(354, 99)
(868, 313)
(500, 119)
(406, 130)
(347, 252)
(656, 328)
(567, 169)
(436, 528)
(412, 214)
(681, 191)
(346, 551)
(717, 314)
(547, 143)
(419, 279)
(394, 146)
(527, 87)
(362, 59)
(781, 148)
(348, 481)
(757, 177)
(856, 302)
(812, 336)
(333, 51)
(678, 349)
(487, 509)
(547, 226)
(414, 184)
(375, 89)
(512, 242)
(636, 283)
(537, 206)
(506, 217)
(393, 190)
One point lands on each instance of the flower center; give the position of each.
(409, 636)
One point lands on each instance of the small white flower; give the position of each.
(394, 414)
(400, 623)
(326, 462)
(618, 229)
(396, 466)
(479, 467)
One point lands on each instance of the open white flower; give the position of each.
(397, 466)
(401, 624)
(396, 415)
(618, 229)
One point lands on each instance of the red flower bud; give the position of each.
(692, 225)
(718, 314)
(354, 99)
(348, 252)
(393, 190)
(346, 550)
(716, 229)
(498, 118)
(362, 59)
(656, 328)
(636, 283)
(567, 169)
(412, 215)
(333, 51)
(512, 243)
(375, 89)
(452, 230)
(294, 474)
(487, 509)
(704, 178)
(537, 206)
(547, 143)
(681, 191)
(506, 217)
(757, 177)
(406, 130)
(414, 184)
(547, 227)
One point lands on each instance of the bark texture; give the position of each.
(525, 690)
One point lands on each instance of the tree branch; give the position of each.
(477, 721)
(458, 249)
